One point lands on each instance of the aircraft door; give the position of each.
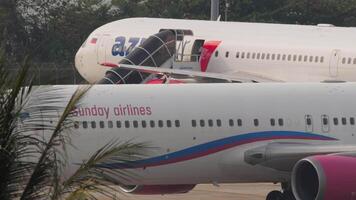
(197, 50)
(102, 49)
(334, 63)
(308, 123)
(325, 127)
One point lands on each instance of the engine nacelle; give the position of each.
(325, 177)
(156, 189)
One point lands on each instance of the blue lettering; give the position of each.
(120, 49)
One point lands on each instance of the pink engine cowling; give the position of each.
(157, 189)
(325, 177)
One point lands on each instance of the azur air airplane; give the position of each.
(262, 52)
(302, 135)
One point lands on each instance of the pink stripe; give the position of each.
(228, 146)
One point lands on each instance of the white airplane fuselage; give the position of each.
(230, 120)
(291, 53)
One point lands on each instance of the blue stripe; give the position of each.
(220, 143)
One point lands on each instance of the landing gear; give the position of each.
(287, 193)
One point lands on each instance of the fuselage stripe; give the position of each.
(217, 146)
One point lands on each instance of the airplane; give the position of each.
(289, 53)
(302, 135)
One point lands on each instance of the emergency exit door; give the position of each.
(334, 63)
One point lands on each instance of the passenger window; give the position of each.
(309, 121)
(280, 122)
(144, 124)
(152, 124)
(135, 124)
(289, 57)
(160, 123)
(227, 54)
(316, 59)
(349, 61)
(344, 121)
(258, 55)
(202, 123)
(218, 123)
(194, 123)
(305, 58)
(85, 124)
(336, 121)
(278, 56)
(243, 55)
(110, 124)
(273, 122)
(295, 58)
(343, 60)
(118, 124)
(210, 123)
(273, 56)
(322, 59)
(127, 124)
(101, 124)
(248, 55)
(310, 58)
(354, 61)
(239, 122)
(300, 58)
(76, 125)
(352, 121)
(263, 56)
(231, 122)
(256, 122)
(177, 123)
(216, 53)
(93, 124)
(284, 57)
(253, 55)
(268, 56)
(237, 54)
(169, 123)
(325, 120)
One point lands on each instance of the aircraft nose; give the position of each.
(79, 60)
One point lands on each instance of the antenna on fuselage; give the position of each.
(214, 15)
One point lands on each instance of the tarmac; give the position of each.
(210, 192)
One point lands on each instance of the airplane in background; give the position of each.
(301, 135)
(286, 53)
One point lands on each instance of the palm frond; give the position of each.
(12, 145)
(93, 177)
(45, 176)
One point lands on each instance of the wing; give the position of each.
(283, 156)
(238, 76)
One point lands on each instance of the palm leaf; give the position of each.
(45, 176)
(91, 177)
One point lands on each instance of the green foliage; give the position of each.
(35, 124)
(54, 30)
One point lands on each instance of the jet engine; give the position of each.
(325, 177)
(156, 189)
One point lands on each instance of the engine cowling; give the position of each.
(325, 177)
(156, 189)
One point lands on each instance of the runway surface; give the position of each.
(210, 192)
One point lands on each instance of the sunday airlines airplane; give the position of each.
(300, 135)
(275, 52)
